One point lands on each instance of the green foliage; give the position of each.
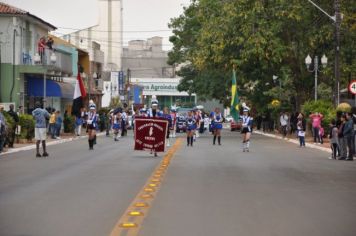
(262, 38)
(322, 106)
(115, 103)
(27, 123)
(69, 124)
(10, 123)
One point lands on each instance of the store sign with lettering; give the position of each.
(159, 87)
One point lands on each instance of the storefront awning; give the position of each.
(35, 87)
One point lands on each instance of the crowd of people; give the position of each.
(341, 131)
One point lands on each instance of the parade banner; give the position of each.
(150, 134)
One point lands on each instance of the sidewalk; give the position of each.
(49, 141)
(293, 139)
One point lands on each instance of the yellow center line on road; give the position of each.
(131, 221)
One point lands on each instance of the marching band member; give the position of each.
(217, 120)
(116, 125)
(92, 124)
(191, 127)
(153, 112)
(174, 121)
(167, 116)
(143, 112)
(246, 128)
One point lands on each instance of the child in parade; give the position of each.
(92, 123)
(191, 127)
(246, 128)
(116, 125)
(217, 124)
(167, 116)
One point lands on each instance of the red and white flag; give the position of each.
(79, 95)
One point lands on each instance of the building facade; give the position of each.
(107, 33)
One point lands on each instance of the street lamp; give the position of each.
(37, 59)
(308, 62)
(274, 77)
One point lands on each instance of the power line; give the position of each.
(118, 31)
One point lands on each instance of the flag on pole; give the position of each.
(234, 98)
(79, 95)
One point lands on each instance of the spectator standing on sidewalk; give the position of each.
(283, 120)
(334, 142)
(342, 143)
(40, 116)
(52, 124)
(58, 125)
(316, 123)
(301, 127)
(348, 136)
(15, 117)
(2, 128)
(79, 123)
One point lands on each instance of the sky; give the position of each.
(139, 15)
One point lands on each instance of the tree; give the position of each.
(263, 38)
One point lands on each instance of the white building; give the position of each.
(166, 91)
(108, 33)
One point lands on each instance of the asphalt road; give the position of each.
(276, 189)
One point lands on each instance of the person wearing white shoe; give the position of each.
(246, 128)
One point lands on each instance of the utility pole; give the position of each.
(337, 50)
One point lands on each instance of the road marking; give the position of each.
(131, 221)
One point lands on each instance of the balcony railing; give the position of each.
(63, 62)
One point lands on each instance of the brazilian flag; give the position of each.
(234, 98)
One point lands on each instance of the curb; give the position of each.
(293, 141)
(33, 146)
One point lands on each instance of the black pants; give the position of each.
(350, 147)
(334, 149)
(316, 134)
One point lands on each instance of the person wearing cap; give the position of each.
(191, 127)
(217, 124)
(92, 123)
(40, 115)
(143, 112)
(246, 128)
(2, 128)
(154, 111)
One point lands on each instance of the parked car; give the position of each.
(235, 125)
(181, 124)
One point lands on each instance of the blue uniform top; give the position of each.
(92, 119)
(247, 122)
(216, 120)
(150, 113)
(169, 118)
(191, 122)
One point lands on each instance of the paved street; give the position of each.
(276, 189)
